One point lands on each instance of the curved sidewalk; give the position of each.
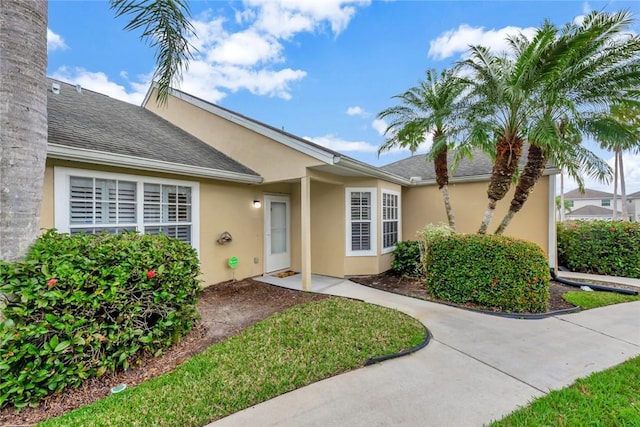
(477, 368)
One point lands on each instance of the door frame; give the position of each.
(286, 258)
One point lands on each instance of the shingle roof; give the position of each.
(90, 120)
(417, 166)
(588, 194)
(591, 210)
(635, 195)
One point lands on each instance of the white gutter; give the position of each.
(63, 152)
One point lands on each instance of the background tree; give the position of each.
(431, 107)
(23, 110)
(628, 117)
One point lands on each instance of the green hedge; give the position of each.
(600, 247)
(82, 305)
(499, 272)
(406, 259)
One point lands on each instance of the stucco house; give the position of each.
(235, 187)
(595, 205)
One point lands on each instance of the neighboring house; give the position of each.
(196, 171)
(634, 206)
(591, 212)
(595, 204)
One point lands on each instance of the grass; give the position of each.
(299, 346)
(607, 398)
(588, 300)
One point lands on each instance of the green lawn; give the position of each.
(588, 300)
(607, 398)
(304, 344)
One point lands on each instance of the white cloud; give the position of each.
(55, 41)
(356, 111)
(379, 126)
(246, 48)
(250, 58)
(335, 143)
(457, 41)
(99, 82)
(285, 18)
(586, 8)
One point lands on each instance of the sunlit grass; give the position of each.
(302, 345)
(607, 398)
(588, 300)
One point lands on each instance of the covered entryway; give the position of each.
(277, 227)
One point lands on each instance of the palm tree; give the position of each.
(564, 77)
(23, 111)
(562, 206)
(500, 107)
(628, 116)
(427, 108)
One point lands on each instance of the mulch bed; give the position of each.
(225, 309)
(415, 288)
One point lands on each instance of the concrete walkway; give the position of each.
(476, 369)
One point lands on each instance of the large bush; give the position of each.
(82, 305)
(507, 274)
(600, 247)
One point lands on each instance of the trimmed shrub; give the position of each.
(406, 259)
(600, 247)
(82, 305)
(498, 272)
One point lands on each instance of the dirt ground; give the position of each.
(225, 309)
(415, 288)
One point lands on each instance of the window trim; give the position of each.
(382, 220)
(61, 191)
(374, 225)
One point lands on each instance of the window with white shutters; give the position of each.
(94, 202)
(361, 238)
(97, 205)
(390, 220)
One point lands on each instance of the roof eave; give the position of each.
(63, 152)
(354, 165)
(477, 178)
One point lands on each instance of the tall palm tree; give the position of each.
(571, 75)
(628, 116)
(500, 106)
(23, 110)
(430, 107)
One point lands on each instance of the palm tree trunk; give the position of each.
(23, 123)
(623, 191)
(441, 167)
(447, 205)
(562, 207)
(508, 152)
(532, 172)
(615, 185)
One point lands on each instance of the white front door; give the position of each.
(277, 242)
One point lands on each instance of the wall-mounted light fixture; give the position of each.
(257, 204)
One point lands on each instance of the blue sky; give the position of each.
(320, 69)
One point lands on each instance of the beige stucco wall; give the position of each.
(224, 206)
(272, 160)
(424, 204)
(327, 229)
